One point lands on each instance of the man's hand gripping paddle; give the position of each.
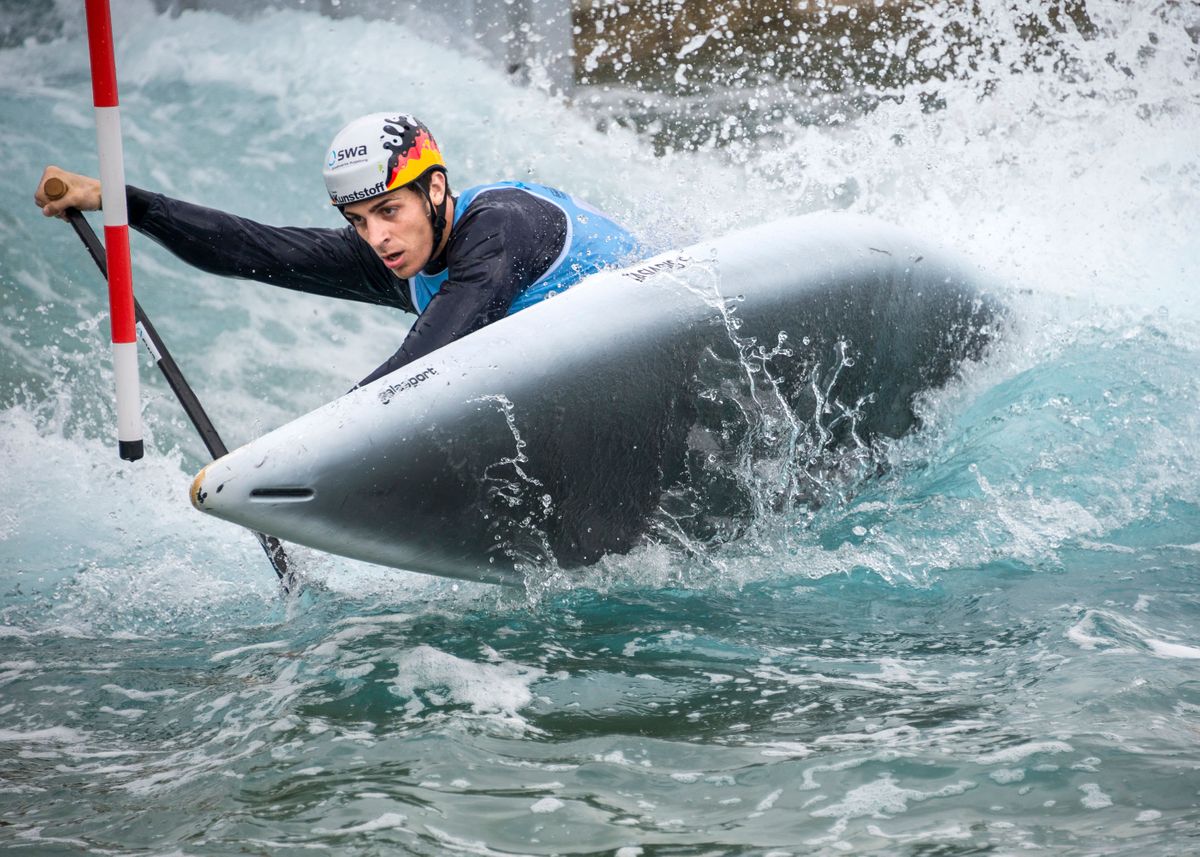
(55, 188)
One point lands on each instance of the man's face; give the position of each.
(397, 226)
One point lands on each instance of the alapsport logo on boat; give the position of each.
(640, 275)
(388, 393)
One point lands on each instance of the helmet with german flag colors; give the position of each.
(378, 153)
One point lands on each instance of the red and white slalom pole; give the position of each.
(116, 229)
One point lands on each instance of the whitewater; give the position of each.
(990, 644)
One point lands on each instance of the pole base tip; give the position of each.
(131, 450)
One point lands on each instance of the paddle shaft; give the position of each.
(56, 188)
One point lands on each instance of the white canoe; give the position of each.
(556, 433)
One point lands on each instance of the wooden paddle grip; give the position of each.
(55, 188)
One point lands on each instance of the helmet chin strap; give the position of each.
(437, 217)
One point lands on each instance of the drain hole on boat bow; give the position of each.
(284, 495)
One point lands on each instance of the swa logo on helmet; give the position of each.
(340, 156)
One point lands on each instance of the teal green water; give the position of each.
(992, 647)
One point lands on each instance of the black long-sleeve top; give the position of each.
(502, 243)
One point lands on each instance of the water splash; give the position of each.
(908, 640)
(519, 509)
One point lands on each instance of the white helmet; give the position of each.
(376, 154)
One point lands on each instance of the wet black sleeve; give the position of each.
(504, 242)
(331, 262)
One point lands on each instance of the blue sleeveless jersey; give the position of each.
(594, 242)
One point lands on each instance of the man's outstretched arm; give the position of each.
(330, 262)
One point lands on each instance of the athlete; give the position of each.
(458, 262)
